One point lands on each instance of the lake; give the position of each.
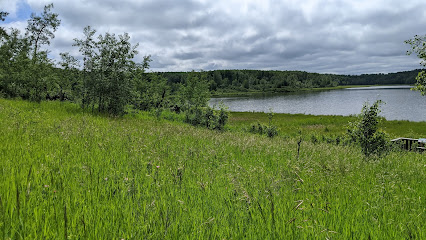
(400, 103)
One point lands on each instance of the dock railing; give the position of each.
(411, 143)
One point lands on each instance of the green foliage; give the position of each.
(207, 117)
(87, 49)
(365, 131)
(194, 92)
(69, 83)
(42, 78)
(109, 70)
(269, 130)
(259, 128)
(270, 116)
(3, 33)
(19, 76)
(109, 81)
(421, 82)
(40, 29)
(152, 91)
(418, 46)
(222, 82)
(15, 65)
(222, 118)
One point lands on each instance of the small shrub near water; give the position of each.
(259, 128)
(366, 133)
(207, 117)
(336, 140)
(269, 130)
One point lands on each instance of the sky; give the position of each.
(323, 36)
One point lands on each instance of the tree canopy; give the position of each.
(40, 29)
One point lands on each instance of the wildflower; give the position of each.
(46, 186)
(126, 179)
(106, 179)
(158, 167)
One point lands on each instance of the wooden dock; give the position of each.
(410, 143)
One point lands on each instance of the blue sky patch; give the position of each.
(23, 13)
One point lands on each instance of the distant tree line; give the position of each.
(403, 78)
(286, 81)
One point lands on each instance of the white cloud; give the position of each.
(10, 6)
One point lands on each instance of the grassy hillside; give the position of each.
(69, 174)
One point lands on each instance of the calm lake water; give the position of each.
(400, 102)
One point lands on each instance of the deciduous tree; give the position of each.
(194, 92)
(40, 29)
(109, 70)
(418, 46)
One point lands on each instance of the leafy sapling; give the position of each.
(366, 133)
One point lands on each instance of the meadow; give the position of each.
(67, 173)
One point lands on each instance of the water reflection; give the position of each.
(400, 102)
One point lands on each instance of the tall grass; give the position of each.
(69, 174)
(292, 124)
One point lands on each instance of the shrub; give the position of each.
(222, 118)
(207, 117)
(314, 139)
(271, 131)
(365, 131)
(259, 128)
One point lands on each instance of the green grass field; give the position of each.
(295, 124)
(70, 174)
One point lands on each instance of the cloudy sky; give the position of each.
(325, 36)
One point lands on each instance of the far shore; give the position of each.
(283, 90)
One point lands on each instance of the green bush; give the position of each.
(259, 128)
(365, 132)
(207, 117)
(269, 130)
(222, 118)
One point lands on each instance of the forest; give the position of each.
(222, 81)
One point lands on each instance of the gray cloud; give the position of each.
(327, 36)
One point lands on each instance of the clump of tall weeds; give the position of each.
(207, 117)
(269, 130)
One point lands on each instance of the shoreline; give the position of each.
(284, 91)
